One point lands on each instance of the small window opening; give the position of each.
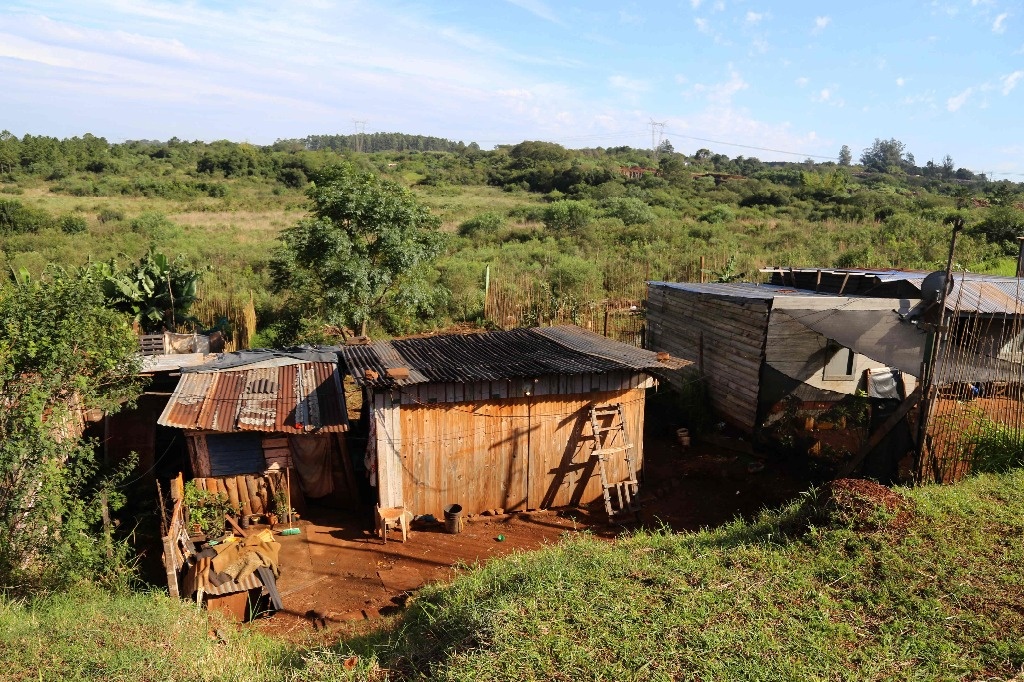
(839, 362)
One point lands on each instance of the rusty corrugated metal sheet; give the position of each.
(290, 398)
(493, 356)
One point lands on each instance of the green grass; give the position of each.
(794, 595)
(771, 600)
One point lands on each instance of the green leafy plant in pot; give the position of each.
(206, 509)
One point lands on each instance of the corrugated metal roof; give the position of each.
(760, 292)
(494, 356)
(290, 398)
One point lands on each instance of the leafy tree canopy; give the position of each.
(62, 351)
(885, 156)
(361, 255)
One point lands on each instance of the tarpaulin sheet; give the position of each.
(878, 334)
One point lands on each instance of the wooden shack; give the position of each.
(497, 420)
(756, 345)
(250, 416)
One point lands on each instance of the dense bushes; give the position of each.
(61, 351)
(16, 218)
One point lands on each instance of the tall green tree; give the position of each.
(62, 351)
(845, 155)
(885, 156)
(363, 254)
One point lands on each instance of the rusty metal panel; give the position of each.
(182, 410)
(293, 398)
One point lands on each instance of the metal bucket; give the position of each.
(453, 518)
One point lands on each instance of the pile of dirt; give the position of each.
(864, 505)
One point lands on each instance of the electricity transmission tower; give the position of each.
(360, 130)
(657, 133)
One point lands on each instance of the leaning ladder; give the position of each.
(620, 497)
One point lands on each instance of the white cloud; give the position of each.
(755, 17)
(901, 81)
(538, 9)
(720, 94)
(955, 102)
(695, 4)
(824, 95)
(997, 25)
(820, 23)
(802, 81)
(702, 25)
(632, 85)
(632, 19)
(759, 46)
(1010, 81)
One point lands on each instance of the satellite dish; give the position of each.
(933, 285)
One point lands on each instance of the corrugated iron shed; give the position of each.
(283, 396)
(493, 356)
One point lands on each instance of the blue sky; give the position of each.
(943, 76)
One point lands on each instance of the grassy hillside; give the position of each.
(920, 584)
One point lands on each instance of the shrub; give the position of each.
(72, 224)
(630, 211)
(154, 224)
(16, 218)
(718, 214)
(569, 217)
(109, 215)
(1002, 225)
(485, 223)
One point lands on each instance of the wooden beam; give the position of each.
(881, 432)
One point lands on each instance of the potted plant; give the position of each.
(206, 509)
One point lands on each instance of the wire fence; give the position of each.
(975, 421)
(612, 306)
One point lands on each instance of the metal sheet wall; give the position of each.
(513, 454)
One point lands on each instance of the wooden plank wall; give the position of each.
(724, 338)
(513, 454)
(388, 432)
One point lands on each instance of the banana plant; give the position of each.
(157, 292)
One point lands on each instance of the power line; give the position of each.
(748, 146)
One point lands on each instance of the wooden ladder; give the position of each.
(614, 440)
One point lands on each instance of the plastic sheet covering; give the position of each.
(878, 334)
(884, 383)
(311, 456)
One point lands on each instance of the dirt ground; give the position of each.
(336, 574)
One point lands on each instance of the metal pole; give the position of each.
(1020, 258)
(932, 346)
